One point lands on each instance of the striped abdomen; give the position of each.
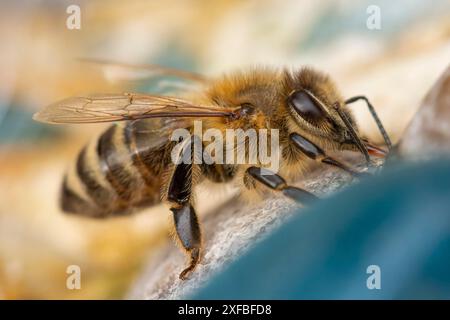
(119, 172)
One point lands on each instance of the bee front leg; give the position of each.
(276, 182)
(186, 222)
(314, 152)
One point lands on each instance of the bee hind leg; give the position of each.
(185, 218)
(188, 232)
(276, 182)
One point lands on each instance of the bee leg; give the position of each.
(374, 114)
(186, 222)
(276, 182)
(188, 232)
(314, 152)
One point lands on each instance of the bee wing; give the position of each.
(125, 71)
(155, 132)
(122, 107)
(158, 125)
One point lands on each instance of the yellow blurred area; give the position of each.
(39, 63)
(38, 242)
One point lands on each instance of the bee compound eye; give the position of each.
(247, 109)
(306, 106)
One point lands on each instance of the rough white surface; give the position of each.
(228, 232)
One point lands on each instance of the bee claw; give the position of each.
(185, 273)
(195, 258)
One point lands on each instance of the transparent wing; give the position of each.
(114, 70)
(154, 133)
(121, 107)
(157, 126)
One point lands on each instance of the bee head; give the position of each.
(312, 99)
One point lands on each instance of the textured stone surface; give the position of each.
(229, 231)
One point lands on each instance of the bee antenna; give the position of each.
(374, 114)
(352, 132)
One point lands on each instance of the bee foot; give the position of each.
(195, 258)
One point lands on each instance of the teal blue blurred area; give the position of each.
(337, 20)
(17, 126)
(399, 221)
(174, 56)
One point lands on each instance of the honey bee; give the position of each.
(130, 167)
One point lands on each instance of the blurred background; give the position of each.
(394, 66)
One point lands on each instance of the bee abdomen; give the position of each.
(150, 154)
(114, 171)
(115, 175)
(85, 191)
(98, 192)
(71, 201)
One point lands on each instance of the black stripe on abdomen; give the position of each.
(71, 202)
(97, 192)
(109, 159)
(147, 161)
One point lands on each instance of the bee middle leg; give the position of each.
(276, 182)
